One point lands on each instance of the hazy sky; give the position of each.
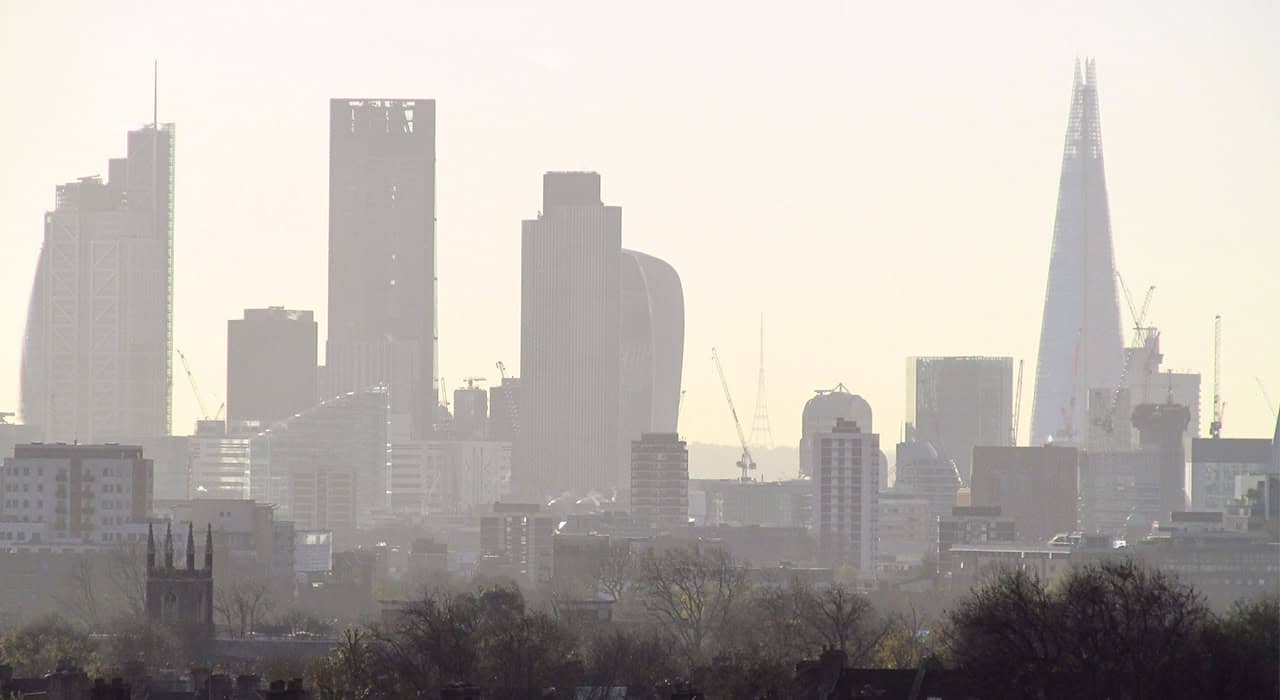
(878, 179)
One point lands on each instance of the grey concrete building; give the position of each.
(820, 415)
(382, 264)
(570, 256)
(271, 364)
(96, 363)
(846, 468)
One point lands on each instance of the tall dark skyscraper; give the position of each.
(569, 322)
(271, 365)
(97, 357)
(651, 346)
(1080, 343)
(382, 264)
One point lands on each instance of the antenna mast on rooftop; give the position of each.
(761, 433)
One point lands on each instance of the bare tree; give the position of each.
(617, 570)
(839, 618)
(694, 594)
(241, 603)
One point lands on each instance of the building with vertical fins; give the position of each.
(96, 359)
(570, 255)
(1080, 343)
(181, 598)
(382, 256)
(650, 346)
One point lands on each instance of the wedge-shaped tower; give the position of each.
(1080, 341)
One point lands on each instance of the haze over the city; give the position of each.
(877, 184)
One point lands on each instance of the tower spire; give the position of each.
(151, 548)
(208, 548)
(155, 94)
(191, 546)
(168, 545)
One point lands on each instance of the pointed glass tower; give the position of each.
(1080, 341)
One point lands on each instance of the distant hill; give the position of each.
(720, 462)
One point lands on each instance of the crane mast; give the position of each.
(746, 463)
(1215, 427)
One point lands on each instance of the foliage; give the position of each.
(40, 646)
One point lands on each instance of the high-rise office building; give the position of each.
(660, 479)
(846, 469)
(382, 264)
(569, 342)
(96, 361)
(651, 346)
(470, 412)
(219, 462)
(271, 364)
(1080, 343)
(820, 415)
(957, 403)
(1162, 429)
(504, 410)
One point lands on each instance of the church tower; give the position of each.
(176, 597)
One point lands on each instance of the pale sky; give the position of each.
(877, 179)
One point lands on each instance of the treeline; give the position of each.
(694, 618)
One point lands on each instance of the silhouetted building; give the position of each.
(651, 347)
(470, 412)
(244, 532)
(660, 479)
(820, 415)
(906, 531)
(763, 503)
(966, 525)
(96, 358)
(326, 467)
(1120, 492)
(1080, 343)
(74, 495)
(432, 477)
(1161, 430)
(382, 265)
(569, 325)
(181, 598)
(271, 364)
(956, 403)
(1217, 462)
(846, 470)
(1147, 383)
(516, 541)
(504, 410)
(1036, 486)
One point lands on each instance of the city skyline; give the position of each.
(1164, 251)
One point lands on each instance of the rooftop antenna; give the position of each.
(155, 94)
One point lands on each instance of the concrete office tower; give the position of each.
(74, 495)
(569, 343)
(660, 480)
(504, 410)
(956, 403)
(651, 346)
(517, 540)
(922, 472)
(820, 415)
(382, 264)
(1148, 383)
(846, 469)
(96, 361)
(1036, 486)
(271, 364)
(1160, 429)
(327, 467)
(1120, 492)
(1080, 343)
(470, 412)
(1216, 464)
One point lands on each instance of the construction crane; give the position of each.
(502, 369)
(1139, 316)
(746, 464)
(1219, 407)
(195, 388)
(1017, 409)
(1271, 405)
